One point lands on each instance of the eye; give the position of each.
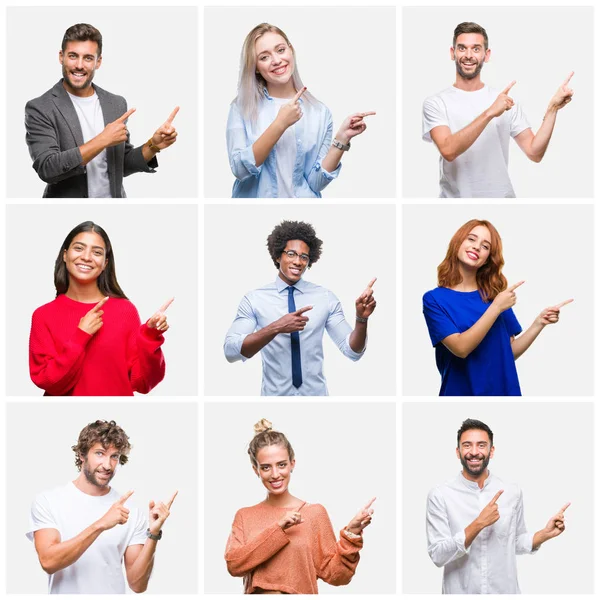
(265, 468)
(263, 57)
(98, 253)
(281, 50)
(282, 465)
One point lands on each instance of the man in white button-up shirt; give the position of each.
(475, 522)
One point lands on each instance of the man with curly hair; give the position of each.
(83, 532)
(274, 319)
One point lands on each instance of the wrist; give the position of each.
(360, 319)
(552, 109)
(341, 137)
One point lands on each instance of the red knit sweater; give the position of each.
(122, 357)
(289, 561)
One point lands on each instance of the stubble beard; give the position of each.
(466, 75)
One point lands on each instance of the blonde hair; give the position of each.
(251, 84)
(265, 436)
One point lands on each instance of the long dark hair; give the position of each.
(107, 282)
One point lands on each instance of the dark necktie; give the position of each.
(295, 336)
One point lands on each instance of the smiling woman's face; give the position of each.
(475, 250)
(274, 58)
(274, 468)
(85, 258)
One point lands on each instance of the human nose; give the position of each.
(275, 59)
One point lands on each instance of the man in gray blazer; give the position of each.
(77, 132)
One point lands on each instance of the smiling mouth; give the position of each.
(279, 70)
(84, 267)
(472, 255)
(276, 484)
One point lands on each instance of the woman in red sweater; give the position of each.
(283, 545)
(89, 340)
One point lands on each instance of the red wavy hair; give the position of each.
(490, 281)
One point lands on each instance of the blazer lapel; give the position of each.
(67, 110)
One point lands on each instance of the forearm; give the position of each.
(462, 344)
(333, 157)
(471, 532)
(255, 342)
(265, 143)
(138, 574)
(63, 554)
(522, 343)
(358, 337)
(539, 538)
(541, 139)
(457, 143)
(91, 149)
(148, 153)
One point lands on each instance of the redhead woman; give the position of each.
(89, 340)
(279, 136)
(470, 318)
(284, 544)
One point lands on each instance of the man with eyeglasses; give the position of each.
(273, 319)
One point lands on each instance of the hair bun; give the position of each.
(262, 425)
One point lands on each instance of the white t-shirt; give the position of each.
(481, 171)
(285, 157)
(91, 119)
(99, 569)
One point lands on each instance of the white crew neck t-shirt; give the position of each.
(91, 119)
(481, 171)
(99, 570)
(285, 157)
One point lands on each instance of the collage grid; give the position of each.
(204, 411)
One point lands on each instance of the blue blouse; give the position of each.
(490, 369)
(313, 138)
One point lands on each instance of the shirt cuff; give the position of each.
(350, 353)
(329, 176)
(81, 338)
(249, 162)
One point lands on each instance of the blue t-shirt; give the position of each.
(490, 369)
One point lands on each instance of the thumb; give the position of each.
(151, 504)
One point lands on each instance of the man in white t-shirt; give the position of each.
(77, 132)
(83, 531)
(471, 124)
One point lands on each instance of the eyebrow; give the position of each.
(274, 48)
(472, 46)
(484, 240)
(83, 244)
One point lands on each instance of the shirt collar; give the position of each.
(281, 285)
(473, 485)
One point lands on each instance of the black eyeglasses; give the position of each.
(293, 254)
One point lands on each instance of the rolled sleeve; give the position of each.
(239, 148)
(243, 325)
(524, 539)
(318, 178)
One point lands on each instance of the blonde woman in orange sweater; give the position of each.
(283, 545)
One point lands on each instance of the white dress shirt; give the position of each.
(489, 564)
(268, 303)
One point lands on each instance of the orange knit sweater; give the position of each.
(289, 561)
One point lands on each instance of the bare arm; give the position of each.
(139, 562)
(452, 145)
(55, 555)
(365, 305)
(535, 146)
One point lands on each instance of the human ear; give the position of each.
(452, 57)
(488, 53)
(256, 471)
(492, 452)
(60, 57)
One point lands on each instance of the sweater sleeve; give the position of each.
(146, 360)
(55, 369)
(335, 562)
(244, 555)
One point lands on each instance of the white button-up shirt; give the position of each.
(265, 305)
(489, 564)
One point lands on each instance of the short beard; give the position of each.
(466, 75)
(91, 477)
(467, 468)
(82, 86)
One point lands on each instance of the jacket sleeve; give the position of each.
(239, 148)
(55, 370)
(318, 178)
(442, 546)
(146, 362)
(243, 555)
(335, 561)
(49, 162)
(133, 159)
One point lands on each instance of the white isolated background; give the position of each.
(345, 455)
(346, 56)
(155, 248)
(358, 244)
(149, 58)
(545, 448)
(551, 248)
(163, 459)
(536, 46)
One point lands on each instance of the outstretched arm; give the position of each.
(554, 527)
(548, 316)
(535, 146)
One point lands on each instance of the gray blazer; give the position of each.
(54, 136)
